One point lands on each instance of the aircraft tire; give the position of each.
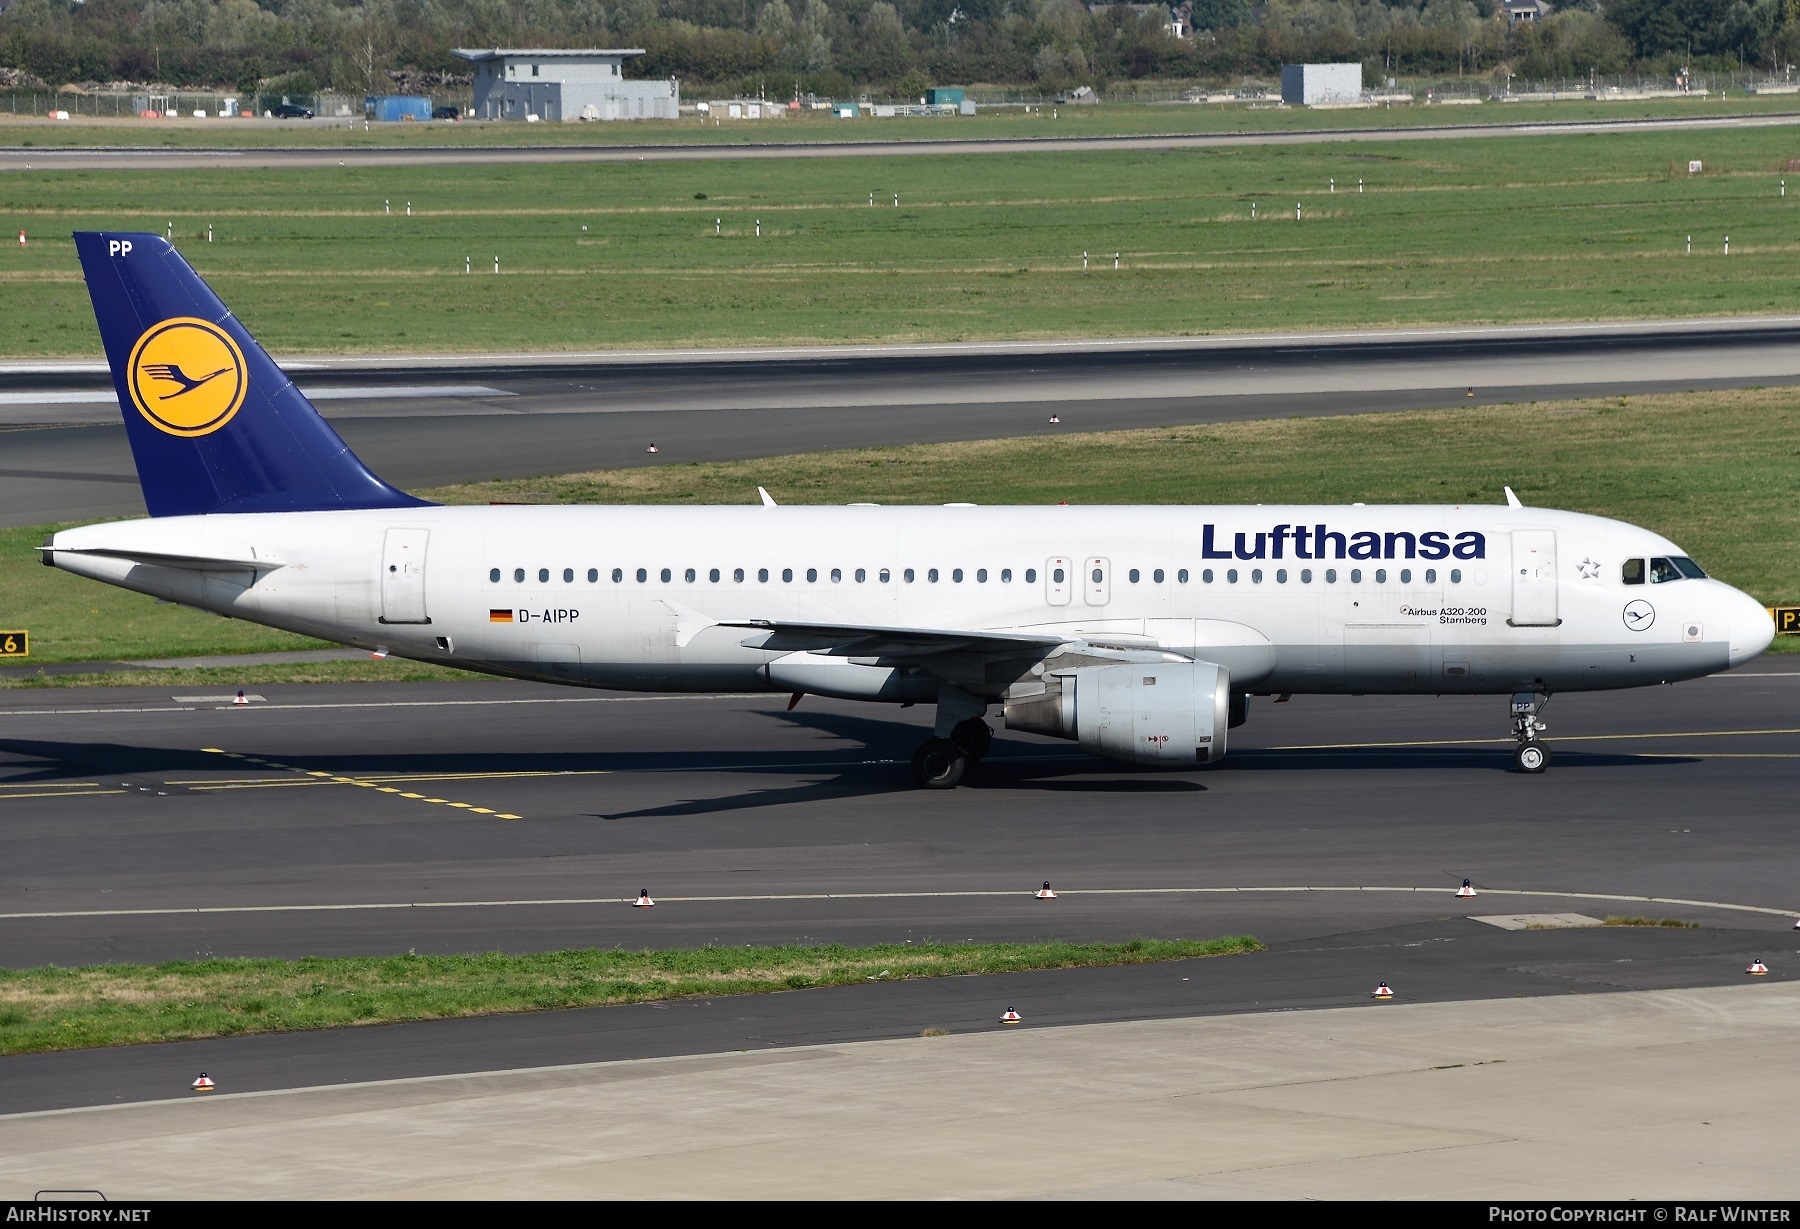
(973, 737)
(1532, 757)
(939, 764)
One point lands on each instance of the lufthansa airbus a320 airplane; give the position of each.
(1138, 632)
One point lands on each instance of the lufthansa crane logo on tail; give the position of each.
(187, 376)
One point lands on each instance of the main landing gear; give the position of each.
(1530, 755)
(940, 763)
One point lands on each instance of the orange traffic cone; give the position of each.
(1467, 890)
(1757, 969)
(203, 1084)
(1011, 1017)
(1382, 992)
(240, 698)
(1044, 893)
(643, 901)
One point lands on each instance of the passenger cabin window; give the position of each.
(1031, 576)
(618, 575)
(1006, 576)
(787, 575)
(1181, 576)
(884, 576)
(1633, 572)
(665, 576)
(688, 576)
(762, 574)
(908, 575)
(1456, 576)
(1056, 576)
(956, 575)
(494, 576)
(568, 576)
(593, 576)
(1132, 575)
(737, 574)
(642, 576)
(931, 575)
(713, 576)
(812, 576)
(543, 576)
(1157, 576)
(1231, 575)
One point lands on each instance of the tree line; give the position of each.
(841, 47)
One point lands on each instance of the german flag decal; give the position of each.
(500, 616)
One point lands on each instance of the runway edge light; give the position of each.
(643, 901)
(1382, 992)
(203, 1084)
(1044, 893)
(1467, 890)
(1757, 969)
(1011, 1017)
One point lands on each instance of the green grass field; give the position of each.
(1493, 229)
(999, 123)
(120, 1004)
(1713, 471)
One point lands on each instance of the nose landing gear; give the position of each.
(1530, 755)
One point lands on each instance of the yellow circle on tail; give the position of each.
(187, 376)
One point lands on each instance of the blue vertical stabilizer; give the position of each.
(214, 424)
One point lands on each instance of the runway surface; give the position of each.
(169, 158)
(148, 825)
(433, 420)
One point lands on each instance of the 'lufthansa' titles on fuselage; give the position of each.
(1323, 542)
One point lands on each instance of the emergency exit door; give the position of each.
(1534, 578)
(403, 576)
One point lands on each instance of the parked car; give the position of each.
(291, 110)
(447, 113)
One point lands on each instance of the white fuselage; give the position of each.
(1289, 598)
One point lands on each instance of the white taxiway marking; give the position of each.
(1445, 892)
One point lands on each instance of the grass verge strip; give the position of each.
(120, 1004)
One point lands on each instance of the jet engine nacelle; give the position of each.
(1162, 714)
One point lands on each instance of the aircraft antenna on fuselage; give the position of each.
(767, 499)
(1512, 501)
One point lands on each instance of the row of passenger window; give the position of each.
(908, 575)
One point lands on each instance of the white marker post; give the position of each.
(871, 200)
(496, 262)
(1115, 260)
(467, 265)
(409, 209)
(759, 228)
(1359, 187)
(1084, 262)
(1253, 211)
(1296, 211)
(387, 207)
(1728, 245)
(1334, 185)
(1690, 245)
(896, 200)
(209, 232)
(716, 224)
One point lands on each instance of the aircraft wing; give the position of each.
(859, 640)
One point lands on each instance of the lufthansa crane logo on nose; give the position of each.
(187, 376)
(1639, 615)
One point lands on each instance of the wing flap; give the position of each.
(859, 640)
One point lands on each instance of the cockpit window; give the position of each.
(1634, 572)
(1688, 567)
(1662, 572)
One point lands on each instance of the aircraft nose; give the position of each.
(1752, 630)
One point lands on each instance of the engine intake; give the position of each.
(1169, 715)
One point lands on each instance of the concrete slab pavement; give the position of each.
(1668, 1094)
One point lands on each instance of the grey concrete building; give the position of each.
(563, 85)
(1312, 85)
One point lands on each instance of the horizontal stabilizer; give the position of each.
(159, 559)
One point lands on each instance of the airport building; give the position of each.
(1312, 85)
(562, 86)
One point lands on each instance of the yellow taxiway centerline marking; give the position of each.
(317, 777)
(63, 793)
